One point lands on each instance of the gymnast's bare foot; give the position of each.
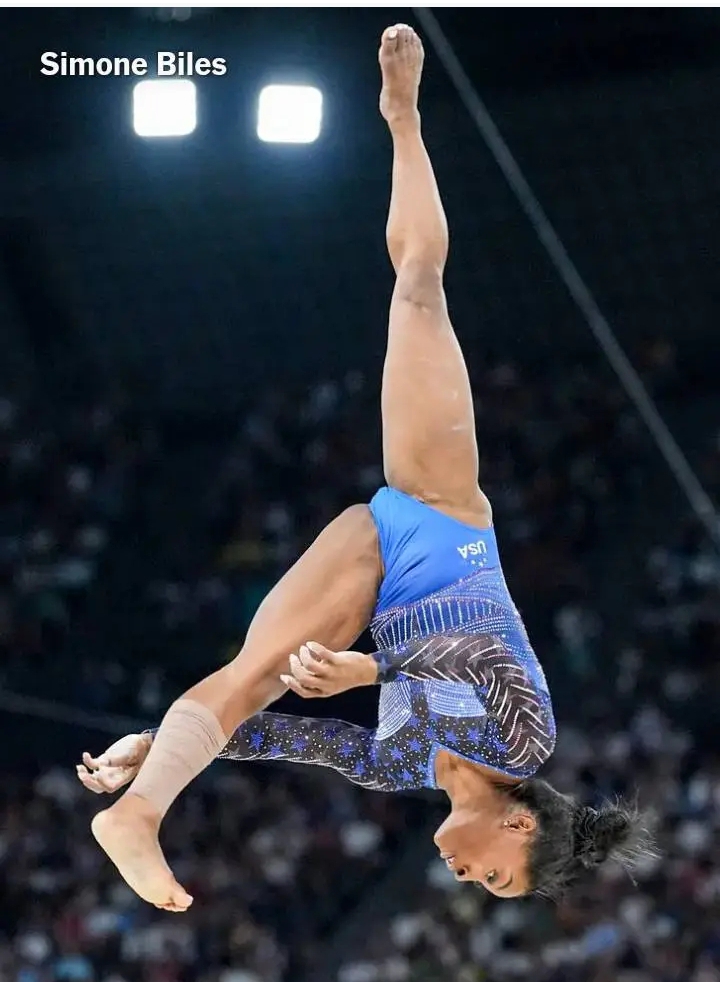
(401, 59)
(128, 832)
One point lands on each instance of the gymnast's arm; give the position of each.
(346, 748)
(445, 657)
(317, 671)
(513, 730)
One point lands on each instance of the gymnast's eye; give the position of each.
(491, 876)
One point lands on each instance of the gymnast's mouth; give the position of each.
(448, 859)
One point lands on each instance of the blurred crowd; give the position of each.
(63, 485)
(275, 859)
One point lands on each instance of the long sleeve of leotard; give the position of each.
(515, 727)
(445, 658)
(346, 748)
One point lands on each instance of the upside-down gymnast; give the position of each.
(464, 704)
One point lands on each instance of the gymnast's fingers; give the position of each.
(93, 781)
(92, 763)
(305, 677)
(117, 777)
(300, 690)
(105, 780)
(322, 654)
(107, 759)
(312, 664)
(88, 781)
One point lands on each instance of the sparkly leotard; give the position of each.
(455, 666)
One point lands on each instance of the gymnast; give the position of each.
(464, 705)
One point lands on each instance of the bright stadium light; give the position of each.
(164, 107)
(289, 114)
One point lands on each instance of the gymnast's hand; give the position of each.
(117, 766)
(317, 672)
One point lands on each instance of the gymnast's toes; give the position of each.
(401, 59)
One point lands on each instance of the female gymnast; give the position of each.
(464, 705)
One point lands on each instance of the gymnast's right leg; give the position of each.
(329, 594)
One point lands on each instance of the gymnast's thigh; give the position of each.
(328, 595)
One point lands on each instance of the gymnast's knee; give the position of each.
(419, 282)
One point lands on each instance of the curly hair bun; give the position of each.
(572, 838)
(602, 834)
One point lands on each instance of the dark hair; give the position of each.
(572, 838)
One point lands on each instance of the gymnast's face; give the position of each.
(491, 849)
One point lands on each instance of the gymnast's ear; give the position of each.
(521, 822)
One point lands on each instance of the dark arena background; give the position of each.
(191, 337)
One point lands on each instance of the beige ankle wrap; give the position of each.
(189, 739)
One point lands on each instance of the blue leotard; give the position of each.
(455, 666)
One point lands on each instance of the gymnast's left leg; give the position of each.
(429, 444)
